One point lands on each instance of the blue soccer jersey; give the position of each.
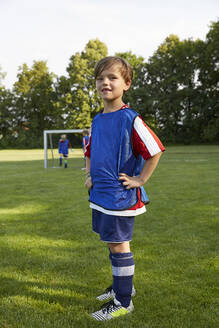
(120, 142)
(63, 146)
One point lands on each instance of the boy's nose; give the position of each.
(105, 80)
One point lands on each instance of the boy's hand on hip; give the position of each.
(88, 183)
(130, 182)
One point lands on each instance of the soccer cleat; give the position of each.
(109, 294)
(111, 310)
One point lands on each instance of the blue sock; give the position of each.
(123, 267)
(110, 255)
(60, 161)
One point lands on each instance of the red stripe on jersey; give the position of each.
(139, 203)
(161, 146)
(139, 147)
(87, 152)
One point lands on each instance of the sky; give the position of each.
(54, 30)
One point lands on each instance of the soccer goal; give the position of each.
(49, 143)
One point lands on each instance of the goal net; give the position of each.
(48, 143)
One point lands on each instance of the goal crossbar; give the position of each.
(49, 132)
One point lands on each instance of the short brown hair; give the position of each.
(107, 62)
(86, 132)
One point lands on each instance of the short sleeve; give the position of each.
(145, 142)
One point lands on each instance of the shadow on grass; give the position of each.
(57, 279)
(50, 293)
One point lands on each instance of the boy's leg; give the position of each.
(123, 271)
(108, 292)
(113, 229)
(123, 267)
(60, 160)
(65, 161)
(84, 168)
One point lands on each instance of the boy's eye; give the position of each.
(99, 78)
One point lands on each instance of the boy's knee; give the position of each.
(123, 247)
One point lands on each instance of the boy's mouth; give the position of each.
(106, 90)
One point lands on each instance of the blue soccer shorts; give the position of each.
(112, 228)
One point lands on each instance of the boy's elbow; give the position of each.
(158, 155)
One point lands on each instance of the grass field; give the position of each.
(52, 266)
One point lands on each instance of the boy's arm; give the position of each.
(148, 145)
(83, 145)
(70, 146)
(87, 165)
(88, 181)
(148, 169)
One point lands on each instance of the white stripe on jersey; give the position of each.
(146, 137)
(136, 212)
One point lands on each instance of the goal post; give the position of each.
(45, 140)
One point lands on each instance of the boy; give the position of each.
(121, 156)
(64, 144)
(85, 141)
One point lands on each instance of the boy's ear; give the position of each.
(127, 85)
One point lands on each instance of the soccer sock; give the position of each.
(123, 267)
(60, 161)
(110, 255)
(66, 162)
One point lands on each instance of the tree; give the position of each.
(172, 79)
(78, 94)
(7, 112)
(161, 79)
(209, 88)
(7, 116)
(35, 102)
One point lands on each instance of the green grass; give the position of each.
(52, 266)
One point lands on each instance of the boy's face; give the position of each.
(111, 85)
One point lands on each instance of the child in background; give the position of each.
(64, 144)
(85, 141)
(121, 156)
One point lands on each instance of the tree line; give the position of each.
(175, 91)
